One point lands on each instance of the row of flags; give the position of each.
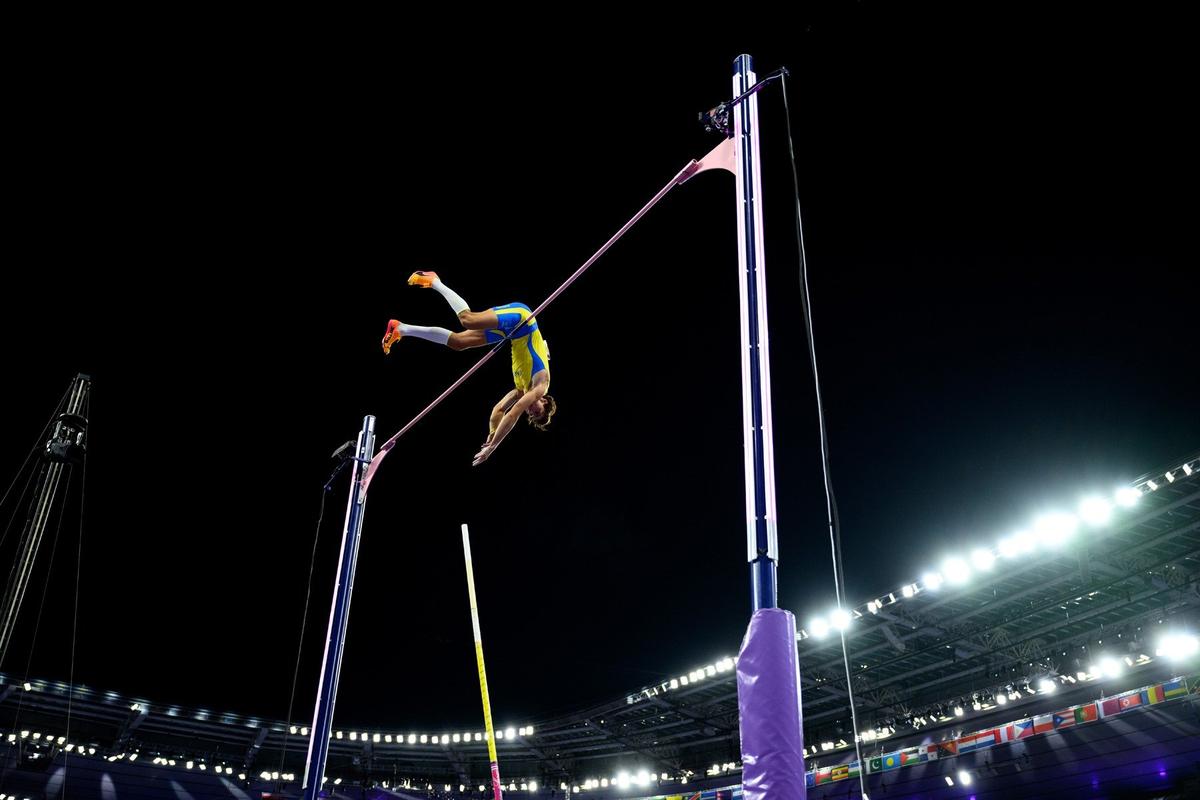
(1021, 729)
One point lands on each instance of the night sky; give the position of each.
(998, 219)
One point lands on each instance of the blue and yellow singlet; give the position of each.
(530, 355)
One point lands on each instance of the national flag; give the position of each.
(1021, 729)
(1130, 701)
(840, 772)
(875, 764)
(1043, 724)
(853, 766)
(891, 761)
(1063, 719)
(824, 775)
(977, 741)
(1085, 713)
(949, 748)
(1110, 706)
(1175, 688)
(913, 756)
(810, 779)
(1153, 695)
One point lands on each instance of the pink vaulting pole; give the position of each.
(721, 157)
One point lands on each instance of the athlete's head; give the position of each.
(540, 413)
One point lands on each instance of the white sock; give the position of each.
(457, 304)
(439, 335)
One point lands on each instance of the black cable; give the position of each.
(835, 538)
(37, 625)
(36, 445)
(16, 508)
(303, 627)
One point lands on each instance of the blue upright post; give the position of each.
(339, 616)
(761, 538)
(768, 673)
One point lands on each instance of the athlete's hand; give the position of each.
(483, 455)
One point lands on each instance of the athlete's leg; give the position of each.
(463, 340)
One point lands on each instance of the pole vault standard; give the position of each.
(483, 687)
(339, 615)
(768, 675)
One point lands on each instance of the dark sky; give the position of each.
(998, 213)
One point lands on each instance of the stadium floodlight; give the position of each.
(1056, 528)
(1127, 496)
(956, 571)
(1026, 541)
(949, 781)
(1001, 699)
(964, 777)
(1095, 510)
(983, 559)
(510, 733)
(840, 618)
(932, 580)
(1178, 646)
(907, 590)
(819, 627)
(1046, 685)
(1153, 486)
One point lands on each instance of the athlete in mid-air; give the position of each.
(530, 356)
